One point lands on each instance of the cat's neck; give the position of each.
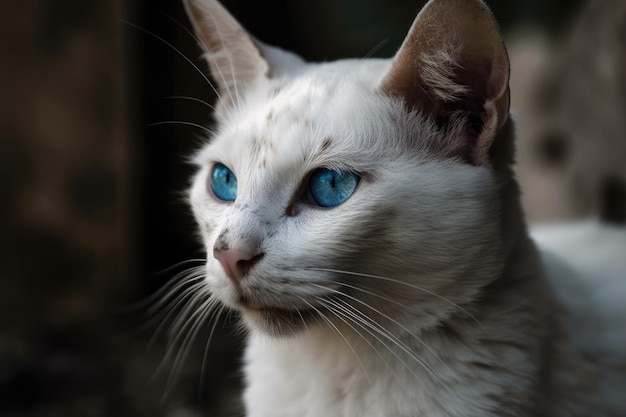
(343, 371)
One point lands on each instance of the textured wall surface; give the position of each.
(67, 237)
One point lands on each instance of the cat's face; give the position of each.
(322, 195)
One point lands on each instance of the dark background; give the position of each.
(93, 211)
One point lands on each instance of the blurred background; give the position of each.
(94, 136)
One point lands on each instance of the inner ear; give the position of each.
(453, 67)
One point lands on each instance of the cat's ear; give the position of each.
(236, 59)
(453, 67)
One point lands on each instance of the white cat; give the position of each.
(363, 218)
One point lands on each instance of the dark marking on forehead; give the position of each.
(255, 146)
(276, 91)
(270, 116)
(241, 206)
(261, 148)
(326, 144)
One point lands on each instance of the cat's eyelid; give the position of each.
(336, 166)
(214, 162)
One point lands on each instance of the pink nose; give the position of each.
(236, 263)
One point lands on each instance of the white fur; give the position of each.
(447, 235)
(469, 326)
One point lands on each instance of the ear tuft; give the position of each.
(438, 72)
(453, 66)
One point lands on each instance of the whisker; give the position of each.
(375, 294)
(181, 122)
(199, 41)
(195, 299)
(158, 317)
(302, 319)
(195, 282)
(236, 102)
(362, 321)
(216, 319)
(188, 314)
(144, 303)
(187, 343)
(407, 284)
(376, 48)
(397, 323)
(207, 104)
(189, 32)
(186, 277)
(169, 300)
(199, 307)
(330, 323)
(156, 305)
(181, 263)
(171, 310)
(177, 332)
(178, 52)
(182, 348)
(333, 307)
(393, 339)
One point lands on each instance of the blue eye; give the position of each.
(331, 188)
(223, 183)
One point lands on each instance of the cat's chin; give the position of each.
(276, 321)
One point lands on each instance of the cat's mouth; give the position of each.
(277, 320)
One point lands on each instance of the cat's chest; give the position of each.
(288, 379)
(324, 377)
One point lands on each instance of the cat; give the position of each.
(362, 217)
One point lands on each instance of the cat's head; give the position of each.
(357, 187)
